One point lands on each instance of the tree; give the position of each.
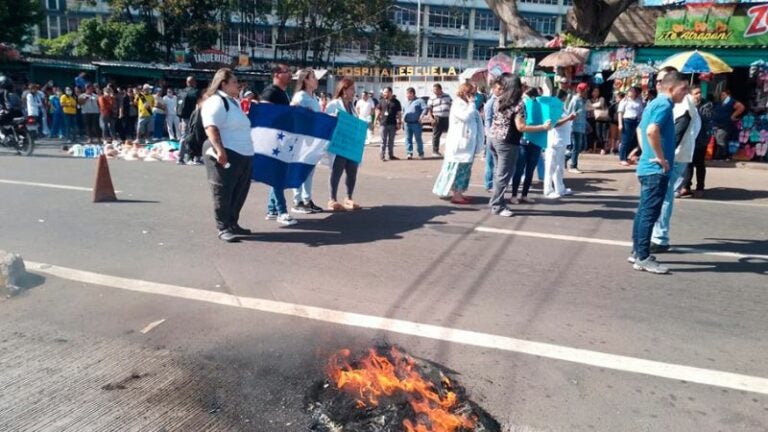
(590, 20)
(17, 20)
(61, 46)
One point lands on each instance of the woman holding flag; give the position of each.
(228, 153)
(343, 101)
(306, 84)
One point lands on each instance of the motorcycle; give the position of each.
(19, 135)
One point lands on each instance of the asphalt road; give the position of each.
(72, 356)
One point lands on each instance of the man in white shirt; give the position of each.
(171, 118)
(364, 111)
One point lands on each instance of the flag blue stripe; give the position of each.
(296, 120)
(278, 174)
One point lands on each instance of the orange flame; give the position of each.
(375, 376)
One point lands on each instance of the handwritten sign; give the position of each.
(348, 138)
(551, 108)
(534, 115)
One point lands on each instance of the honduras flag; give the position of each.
(287, 142)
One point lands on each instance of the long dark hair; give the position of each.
(512, 91)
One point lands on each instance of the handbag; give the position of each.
(602, 114)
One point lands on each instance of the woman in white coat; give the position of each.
(465, 139)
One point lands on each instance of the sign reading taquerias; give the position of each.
(397, 71)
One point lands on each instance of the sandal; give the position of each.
(351, 205)
(335, 206)
(462, 200)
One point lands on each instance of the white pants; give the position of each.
(304, 193)
(554, 165)
(172, 122)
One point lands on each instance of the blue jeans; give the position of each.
(303, 194)
(158, 126)
(653, 188)
(276, 203)
(489, 165)
(628, 138)
(412, 129)
(661, 228)
(70, 127)
(527, 162)
(57, 128)
(579, 141)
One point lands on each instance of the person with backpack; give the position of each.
(194, 136)
(229, 153)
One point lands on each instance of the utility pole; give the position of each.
(418, 31)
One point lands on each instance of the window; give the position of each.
(354, 46)
(401, 52)
(54, 30)
(72, 24)
(486, 20)
(404, 15)
(52, 4)
(446, 50)
(568, 2)
(544, 24)
(448, 18)
(483, 52)
(546, 2)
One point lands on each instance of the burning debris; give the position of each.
(386, 390)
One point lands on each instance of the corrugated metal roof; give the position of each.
(85, 65)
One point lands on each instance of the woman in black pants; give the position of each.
(229, 152)
(529, 155)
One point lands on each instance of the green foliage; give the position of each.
(574, 41)
(63, 45)
(112, 40)
(17, 20)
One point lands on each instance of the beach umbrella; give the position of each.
(561, 59)
(691, 62)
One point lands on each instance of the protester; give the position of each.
(558, 139)
(191, 144)
(496, 90)
(724, 119)
(171, 118)
(158, 115)
(69, 108)
(578, 106)
(465, 139)
(412, 115)
(106, 120)
(658, 144)
(89, 102)
(34, 103)
(630, 111)
(343, 96)
(439, 107)
(530, 154)
(324, 101)
(229, 139)
(687, 127)
(144, 103)
(364, 110)
(121, 114)
(698, 163)
(132, 114)
(614, 137)
(188, 104)
(303, 96)
(80, 81)
(602, 119)
(276, 94)
(389, 116)
(57, 114)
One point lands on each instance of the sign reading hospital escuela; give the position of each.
(398, 71)
(713, 25)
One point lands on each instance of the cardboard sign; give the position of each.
(348, 138)
(551, 108)
(534, 115)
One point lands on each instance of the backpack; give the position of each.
(196, 134)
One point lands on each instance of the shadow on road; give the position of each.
(742, 246)
(734, 194)
(758, 266)
(365, 226)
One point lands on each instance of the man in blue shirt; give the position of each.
(578, 106)
(657, 138)
(414, 110)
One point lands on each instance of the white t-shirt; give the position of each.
(560, 136)
(334, 107)
(365, 109)
(306, 100)
(170, 105)
(234, 126)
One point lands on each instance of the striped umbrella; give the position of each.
(696, 62)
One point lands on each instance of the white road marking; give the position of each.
(48, 185)
(625, 244)
(709, 377)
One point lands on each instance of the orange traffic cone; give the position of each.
(103, 189)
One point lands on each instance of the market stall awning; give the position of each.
(733, 56)
(474, 74)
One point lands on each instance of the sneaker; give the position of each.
(505, 212)
(409, 156)
(286, 219)
(238, 230)
(312, 207)
(436, 154)
(624, 163)
(552, 195)
(526, 200)
(633, 257)
(228, 236)
(393, 157)
(567, 192)
(421, 156)
(514, 200)
(683, 193)
(651, 266)
(301, 208)
(180, 162)
(659, 248)
(271, 216)
(574, 171)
